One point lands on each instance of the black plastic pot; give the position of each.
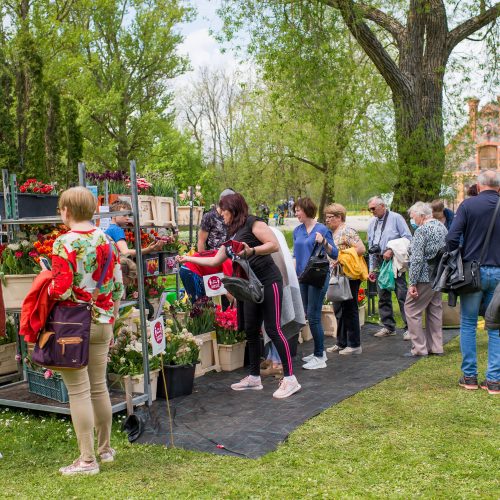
(179, 381)
(33, 205)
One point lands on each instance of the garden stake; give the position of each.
(168, 405)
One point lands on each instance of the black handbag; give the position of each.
(245, 290)
(316, 268)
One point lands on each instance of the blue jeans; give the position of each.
(470, 304)
(312, 299)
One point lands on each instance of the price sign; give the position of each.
(213, 285)
(157, 330)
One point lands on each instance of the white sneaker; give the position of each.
(315, 363)
(108, 456)
(287, 387)
(384, 332)
(306, 359)
(249, 383)
(80, 467)
(335, 348)
(351, 350)
(406, 335)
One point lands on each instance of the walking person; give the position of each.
(79, 257)
(257, 242)
(428, 240)
(305, 237)
(345, 238)
(384, 227)
(442, 214)
(469, 230)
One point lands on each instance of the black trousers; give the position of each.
(251, 317)
(385, 311)
(348, 330)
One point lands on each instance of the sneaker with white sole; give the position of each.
(314, 363)
(108, 456)
(351, 350)
(384, 332)
(287, 387)
(80, 467)
(306, 359)
(406, 335)
(335, 348)
(248, 383)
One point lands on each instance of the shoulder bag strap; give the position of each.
(384, 222)
(490, 230)
(97, 289)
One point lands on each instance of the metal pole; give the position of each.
(177, 227)
(140, 278)
(106, 193)
(82, 181)
(191, 199)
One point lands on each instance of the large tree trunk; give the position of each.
(328, 193)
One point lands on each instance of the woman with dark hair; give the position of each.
(305, 237)
(258, 242)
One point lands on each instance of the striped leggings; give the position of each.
(269, 312)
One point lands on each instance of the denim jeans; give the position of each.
(312, 299)
(469, 305)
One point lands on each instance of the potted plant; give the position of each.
(178, 310)
(183, 207)
(8, 362)
(125, 359)
(179, 361)
(230, 342)
(362, 306)
(18, 269)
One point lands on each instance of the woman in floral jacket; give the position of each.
(79, 258)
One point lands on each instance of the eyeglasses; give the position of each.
(372, 209)
(329, 216)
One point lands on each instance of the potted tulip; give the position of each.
(362, 306)
(230, 342)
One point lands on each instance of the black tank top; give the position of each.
(262, 265)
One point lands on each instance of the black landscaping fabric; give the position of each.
(250, 424)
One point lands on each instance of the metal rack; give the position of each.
(8, 392)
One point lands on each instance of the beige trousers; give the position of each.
(89, 397)
(429, 340)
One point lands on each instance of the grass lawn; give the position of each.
(416, 434)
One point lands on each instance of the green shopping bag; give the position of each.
(386, 279)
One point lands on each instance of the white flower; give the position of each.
(128, 348)
(13, 246)
(122, 361)
(25, 243)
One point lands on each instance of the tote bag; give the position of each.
(338, 288)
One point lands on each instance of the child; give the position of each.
(117, 234)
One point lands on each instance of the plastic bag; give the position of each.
(386, 279)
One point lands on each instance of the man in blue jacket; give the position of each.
(471, 222)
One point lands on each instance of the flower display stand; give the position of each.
(33, 205)
(179, 381)
(451, 315)
(8, 363)
(232, 356)
(329, 321)
(305, 333)
(163, 211)
(362, 315)
(117, 382)
(51, 388)
(209, 354)
(15, 287)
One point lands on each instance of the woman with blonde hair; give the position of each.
(345, 237)
(78, 262)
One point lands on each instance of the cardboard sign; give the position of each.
(158, 341)
(213, 285)
(163, 299)
(104, 222)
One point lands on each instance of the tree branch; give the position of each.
(321, 168)
(467, 28)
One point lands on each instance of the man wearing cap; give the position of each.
(213, 231)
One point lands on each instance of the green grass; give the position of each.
(416, 434)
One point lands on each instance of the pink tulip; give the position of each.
(48, 374)
(18, 357)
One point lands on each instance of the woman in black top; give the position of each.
(258, 243)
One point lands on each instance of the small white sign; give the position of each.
(157, 329)
(104, 223)
(163, 299)
(213, 285)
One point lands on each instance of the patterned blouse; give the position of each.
(345, 237)
(427, 241)
(213, 223)
(78, 260)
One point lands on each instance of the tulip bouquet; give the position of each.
(47, 372)
(142, 184)
(201, 317)
(146, 238)
(226, 326)
(117, 180)
(185, 198)
(18, 258)
(45, 242)
(361, 297)
(37, 187)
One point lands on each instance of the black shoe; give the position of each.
(491, 387)
(469, 383)
(411, 355)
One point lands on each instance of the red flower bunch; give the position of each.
(45, 243)
(142, 184)
(361, 296)
(146, 238)
(34, 186)
(226, 326)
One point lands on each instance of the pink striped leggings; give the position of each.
(269, 312)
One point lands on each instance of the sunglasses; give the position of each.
(372, 209)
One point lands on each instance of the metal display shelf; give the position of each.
(16, 394)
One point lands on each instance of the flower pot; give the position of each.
(179, 381)
(362, 314)
(329, 321)
(8, 363)
(231, 357)
(117, 382)
(451, 315)
(305, 333)
(15, 287)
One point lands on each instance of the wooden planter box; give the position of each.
(163, 211)
(362, 315)
(117, 382)
(8, 363)
(209, 354)
(183, 215)
(329, 321)
(232, 356)
(16, 288)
